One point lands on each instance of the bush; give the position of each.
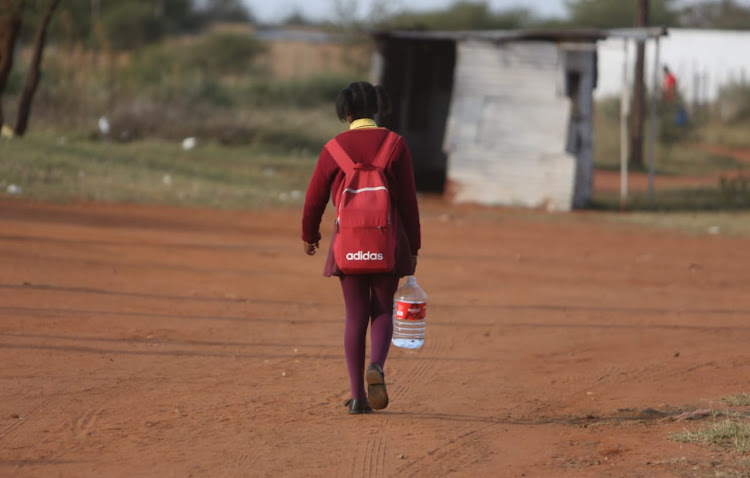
(226, 53)
(735, 190)
(192, 72)
(734, 103)
(463, 15)
(300, 93)
(131, 25)
(208, 86)
(214, 56)
(675, 123)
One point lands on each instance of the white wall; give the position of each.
(508, 125)
(702, 60)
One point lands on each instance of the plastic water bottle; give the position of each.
(409, 312)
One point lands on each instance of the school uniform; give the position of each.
(361, 142)
(368, 298)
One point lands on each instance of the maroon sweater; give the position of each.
(362, 145)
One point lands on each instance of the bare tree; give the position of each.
(345, 13)
(24, 107)
(11, 20)
(383, 10)
(11, 15)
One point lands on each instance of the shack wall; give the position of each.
(508, 126)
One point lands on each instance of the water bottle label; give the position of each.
(411, 310)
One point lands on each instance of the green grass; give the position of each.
(735, 136)
(682, 199)
(271, 166)
(678, 158)
(726, 224)
(273, 170)
(731, 432)
(48, 167)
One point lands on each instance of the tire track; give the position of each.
(461, 447)
(86, 423)
(24, 419)
(368, 459)
(77, 420)
(410, 373)
(466, 448)
(419, 369)
(375, 458)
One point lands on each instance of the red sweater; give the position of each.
(362, 145)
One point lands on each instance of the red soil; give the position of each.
(150, 341)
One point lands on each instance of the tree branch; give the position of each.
(11, 15)
(24, 107)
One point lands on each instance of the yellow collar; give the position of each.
(363, 123)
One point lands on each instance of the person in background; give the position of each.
(368, 298)
(671, 100)
(669, 87)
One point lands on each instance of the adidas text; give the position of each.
(364, 256)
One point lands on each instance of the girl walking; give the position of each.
(368, 298)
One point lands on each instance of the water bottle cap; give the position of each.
(411, 280)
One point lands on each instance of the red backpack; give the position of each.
(366, 235)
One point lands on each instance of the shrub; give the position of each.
(307, 92)
(675, 123)
(734, 103)
(215, 56)
(131, 25)
(226, 53)
(735, 190)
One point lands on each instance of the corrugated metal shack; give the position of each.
(499, 117)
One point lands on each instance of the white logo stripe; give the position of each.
(356, 191)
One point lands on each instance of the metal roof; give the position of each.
(553, 35)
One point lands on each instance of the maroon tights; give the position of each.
(368, 299)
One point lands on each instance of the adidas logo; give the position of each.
(364, 256)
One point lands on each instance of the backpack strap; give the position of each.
(340, 156)
(383, 157)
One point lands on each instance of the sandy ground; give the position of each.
(149, 341)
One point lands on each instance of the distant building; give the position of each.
(499, 118)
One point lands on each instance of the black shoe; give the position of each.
(358, 406)
(377, 396)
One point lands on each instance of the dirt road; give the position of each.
(148, 341)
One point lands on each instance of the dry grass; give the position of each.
(741, 400)
(729, 434)
(712, 222)
(287, 59)
(271, 171)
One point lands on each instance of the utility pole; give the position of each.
(637, 110)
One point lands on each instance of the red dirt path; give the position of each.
(149, 341)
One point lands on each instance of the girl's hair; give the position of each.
(362, 100)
